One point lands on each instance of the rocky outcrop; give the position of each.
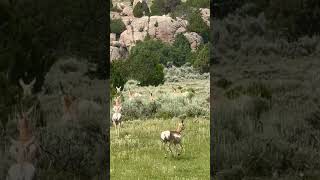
(127, 11)
(205, 13)
(117, 49)
(115, 15)
(194, 39)
(113, 37)
(117, 53)
(159, 27)
(163, 28)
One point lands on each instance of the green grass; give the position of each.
(138, 153)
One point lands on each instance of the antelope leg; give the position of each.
(164, 147)
(170, 148)
(181, 148)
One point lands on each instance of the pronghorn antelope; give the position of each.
(116, 117)
(133, 95)
(25, 151)
(27, 88)
(74, 107)
(173, 137)
(185, 95)
(69, 108)
(151, 97)
(69, 105)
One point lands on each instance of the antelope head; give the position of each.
(180, 127)
(152, 98)
(27, 88)
(23, 126)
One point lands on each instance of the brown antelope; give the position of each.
(151, 97)
(116, 117)
(133, 95)
(75, 107)
(70, 110)
(25, 151)
(27, 88)
(173, 137)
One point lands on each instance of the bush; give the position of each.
(160, 7)
(202, 59)
(118, 73)
(197, 24)
(199, 3)
(145, 64)
(141, 9)
(117, 27)
(182, 46)
(223, 83)
(258, 89)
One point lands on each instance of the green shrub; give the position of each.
(117, 27)
(199, 3)
(234, 92)
(182, 10)
(141, 9)
(145, 64)
(223, 83)
(258, 89)
(160, 7)
(197, 24)
(201, 60)
(118, 75)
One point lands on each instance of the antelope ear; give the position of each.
(30, 110)
(33, 81)
(21, 83)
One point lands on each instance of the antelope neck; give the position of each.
(179, 130)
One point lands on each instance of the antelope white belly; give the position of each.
(165, 135)
(116, 117)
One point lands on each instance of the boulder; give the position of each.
(120, 6)
(127, 11)
(194, 39)
(113, 37)
(205, 13)
(115, 15)
(117, 53)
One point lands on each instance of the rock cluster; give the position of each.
(163, 28)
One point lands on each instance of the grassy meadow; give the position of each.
(138, 152)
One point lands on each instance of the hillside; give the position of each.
(266, 94)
